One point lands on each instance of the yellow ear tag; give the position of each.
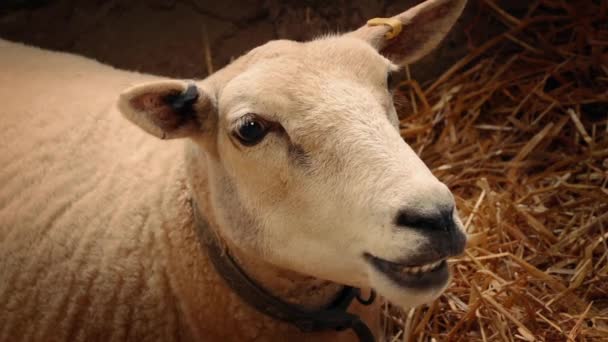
(394, 24)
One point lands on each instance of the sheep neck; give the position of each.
(295, 289)
(290, 287)
(330, 317)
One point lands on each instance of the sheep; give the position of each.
(288, 160)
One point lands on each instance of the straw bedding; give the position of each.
(518, 129)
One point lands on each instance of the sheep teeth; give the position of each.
(422, 268)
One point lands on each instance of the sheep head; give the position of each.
(306, 168)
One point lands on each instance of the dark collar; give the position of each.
(333, 317)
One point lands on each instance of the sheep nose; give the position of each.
(431, 208)
(430, 212)
(436, 220)
(438, 226)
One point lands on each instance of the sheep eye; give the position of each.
(250, 130)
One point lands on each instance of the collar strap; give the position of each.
(333, 317)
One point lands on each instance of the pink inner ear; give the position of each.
(145, 102)
(157, 110)
(149, 101)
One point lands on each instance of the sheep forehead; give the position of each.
(299, 82)
(324, 51)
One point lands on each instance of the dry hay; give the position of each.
(518, 129)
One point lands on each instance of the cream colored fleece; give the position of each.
(96, 235)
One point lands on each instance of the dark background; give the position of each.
(167, 37)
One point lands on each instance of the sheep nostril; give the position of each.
(441, 220)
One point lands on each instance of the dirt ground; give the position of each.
(166, 37)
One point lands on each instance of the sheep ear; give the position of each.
(166, 109)
(409, 36)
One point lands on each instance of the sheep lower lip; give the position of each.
(435, 278)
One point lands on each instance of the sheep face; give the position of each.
(304, 163)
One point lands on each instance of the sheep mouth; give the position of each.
(430, 275)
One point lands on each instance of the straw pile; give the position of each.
(518, 129)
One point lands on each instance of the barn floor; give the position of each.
(515, 123)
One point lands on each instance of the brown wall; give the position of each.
(166, 36)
